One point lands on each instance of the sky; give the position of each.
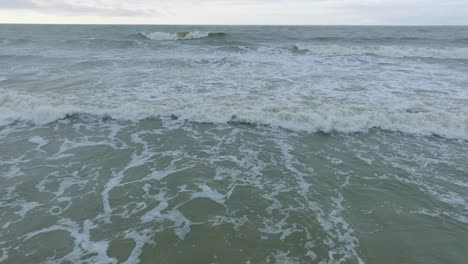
(237, 12)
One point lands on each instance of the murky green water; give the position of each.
(191, 144)
(88, 190)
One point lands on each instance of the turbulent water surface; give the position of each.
(165, 144)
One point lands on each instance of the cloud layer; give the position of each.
(74, 7)
(421, 12)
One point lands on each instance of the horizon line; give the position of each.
(233, 25)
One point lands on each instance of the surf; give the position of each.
(181, 35)
(327, 117)
(401, 51)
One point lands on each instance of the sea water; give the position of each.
(233, 144)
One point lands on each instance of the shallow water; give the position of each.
(259, 145)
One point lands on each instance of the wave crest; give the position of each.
(182, 35)
(345, 118)
(385, 51)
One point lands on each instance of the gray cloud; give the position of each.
(252, 11)
(75, 7)
(16, 4)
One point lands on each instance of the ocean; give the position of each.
(233, 144)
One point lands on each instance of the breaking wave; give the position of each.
(328, 117)
(180, 35)
(385, 51)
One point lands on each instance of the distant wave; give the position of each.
(381, 50)
(326, 117)
(382, 39)
(100, 43)
(14, 41)
(180, 35)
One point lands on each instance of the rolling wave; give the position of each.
(327, 117)
(383, 39)
(180, 35)
(385, 51)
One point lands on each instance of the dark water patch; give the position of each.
(295, 49)
(11, 42)
(101, 43)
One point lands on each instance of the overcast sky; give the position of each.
(343, 12)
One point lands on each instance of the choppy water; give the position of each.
(164, 144)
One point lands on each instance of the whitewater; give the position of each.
(233, 144)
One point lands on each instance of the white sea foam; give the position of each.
(39, 141)
(265, 86)
(82, 240)
(386, 51)
(179, 35)
(284, 257)
(299, 187)
(277, 112)
(209, 193)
